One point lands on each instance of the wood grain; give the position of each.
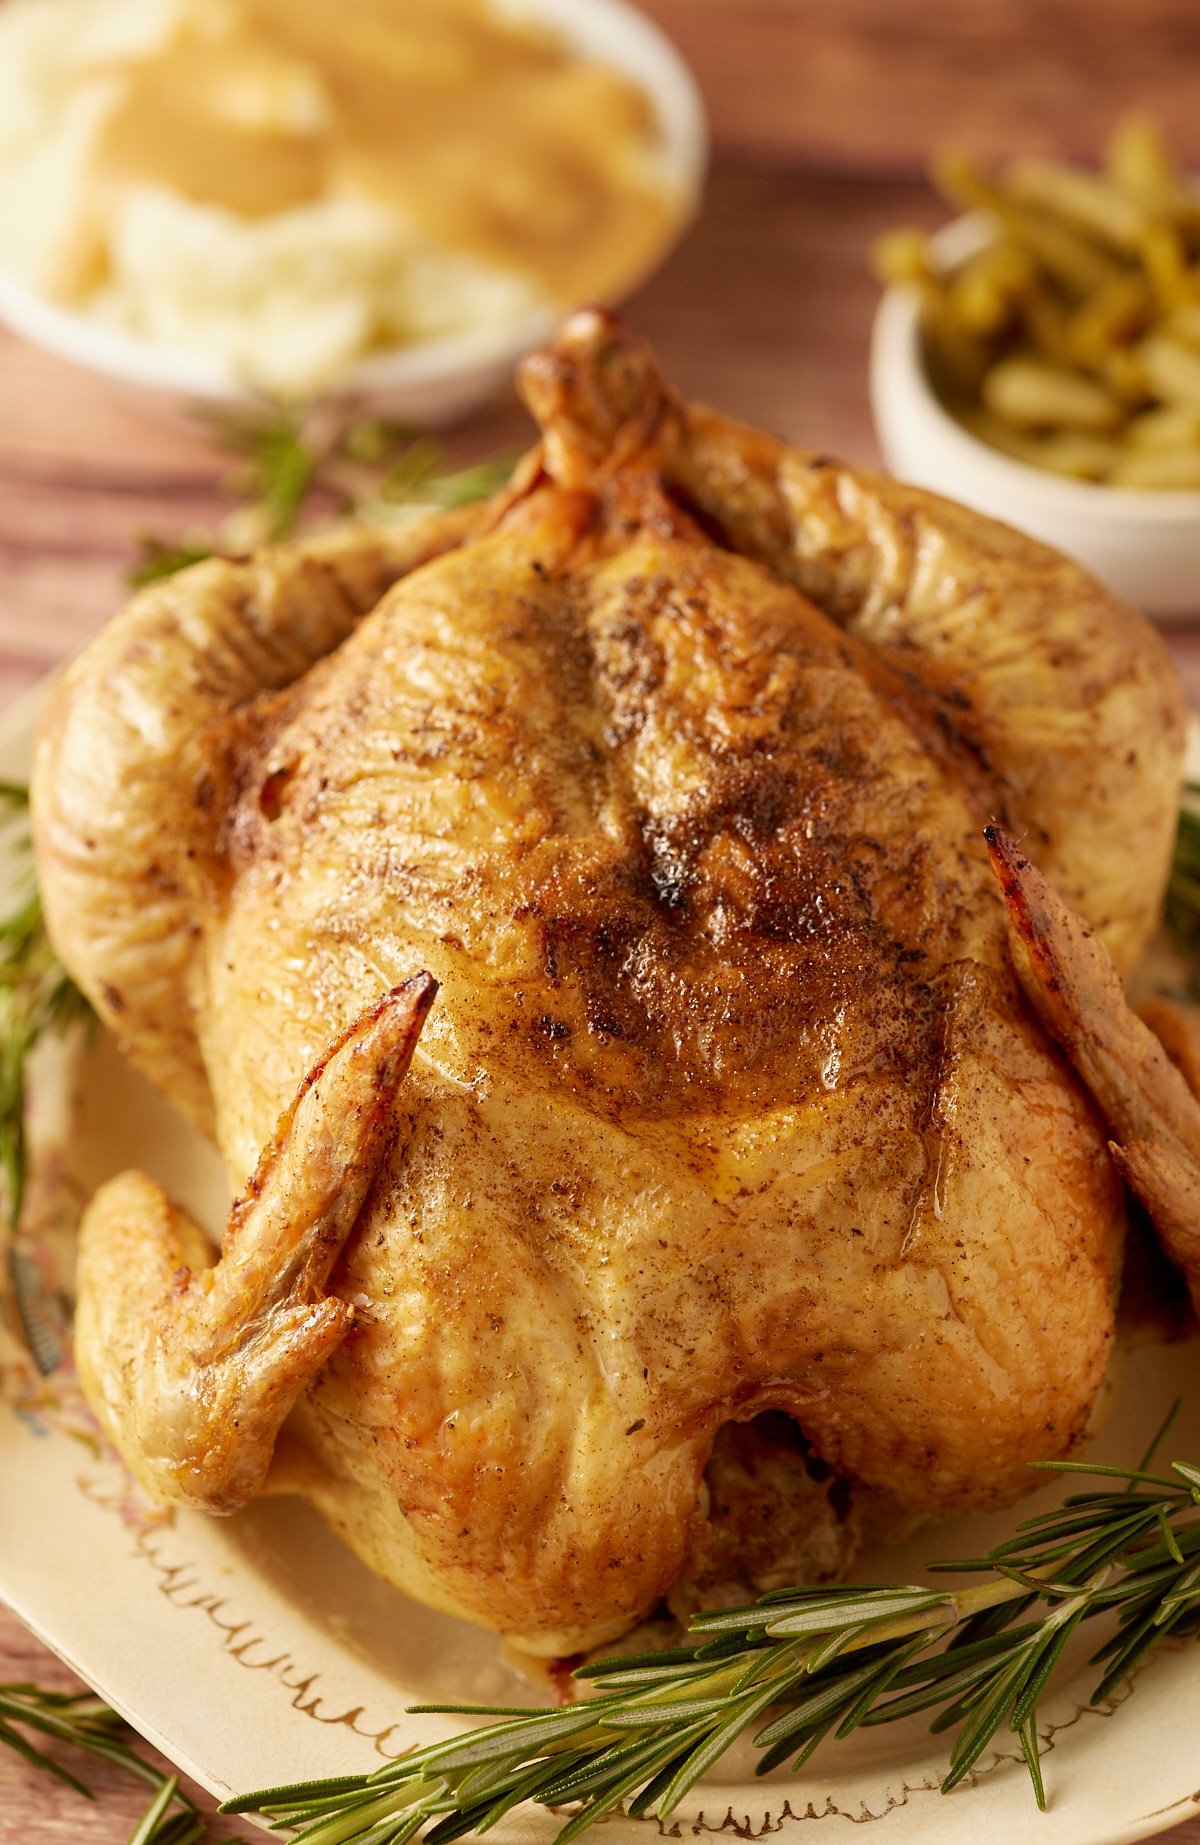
(867, 86)
(764, 310)
(38, 1809)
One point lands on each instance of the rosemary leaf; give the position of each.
(1182, 909)
(1045, 1655)
(158, 558)
(883, 1677)
(36, 996)
(1157, 1439)
(1033, 1761)
(149, 1827)
(977, 1732)
(1170, 1541)
(23, 1747)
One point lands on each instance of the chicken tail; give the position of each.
(1076, 991)
(192, 1366)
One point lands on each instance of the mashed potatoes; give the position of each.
(287, 185)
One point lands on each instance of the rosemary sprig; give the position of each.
(797, 1668)
(37, 996)
(417, 476)
(85, 1723)
(280, 464)
(367, 466)
(1181, 912)
(164, 557)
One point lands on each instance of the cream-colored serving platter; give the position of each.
(256, 1650)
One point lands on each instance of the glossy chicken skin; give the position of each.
(670, 766)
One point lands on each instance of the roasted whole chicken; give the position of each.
(572, 918)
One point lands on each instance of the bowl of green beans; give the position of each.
(1039, 359)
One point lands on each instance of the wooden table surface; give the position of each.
(765, 311)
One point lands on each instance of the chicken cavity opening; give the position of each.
(770, 1513)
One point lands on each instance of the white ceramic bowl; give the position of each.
(1144, 544)
(430, 381)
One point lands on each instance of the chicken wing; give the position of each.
(1148, 1097)
(192, 1366)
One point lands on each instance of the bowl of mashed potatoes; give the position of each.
(388, 198)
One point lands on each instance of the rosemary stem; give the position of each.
(960, 1605)
(983, 1596)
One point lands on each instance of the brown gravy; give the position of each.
(490, 134)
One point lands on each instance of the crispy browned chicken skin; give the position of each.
(669, 765)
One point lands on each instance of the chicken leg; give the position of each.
(193, 1367)
(129, 783)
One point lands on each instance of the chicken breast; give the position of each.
(669, 767)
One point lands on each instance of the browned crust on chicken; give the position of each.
(670, 767)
